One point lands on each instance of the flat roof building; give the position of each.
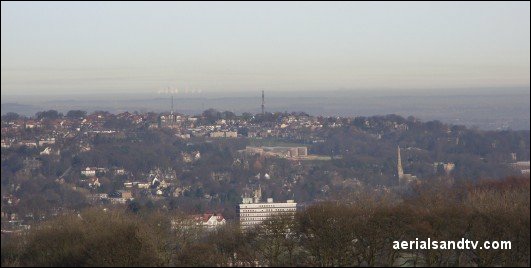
(253, 213)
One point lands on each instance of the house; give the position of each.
(50, 151)
(522, 166)
(224, 134)
(217, 134)
(28, 143)
(32, 124)
(94, 182)
(6, 143)
(84, 147)
(187, 158)
(119, 171)
(118, 200)
(89, 172)
(231, 134)
(46, 151)
(126, 194)
(46, 141)
(209, 220)
(219, 176)
(183, 136)
(143, 185)
(177, 192)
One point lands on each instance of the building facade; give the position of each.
(278, 151)
(89, 172)
(252, 213)
(207, 221)
(224, 134)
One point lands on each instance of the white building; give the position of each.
(208, 221)
(6, 144)
(28, 143)
(89, 172)
(224, 134)
(119, 171)
(143, 185)
(46, 141)
(217, 134)
(253, 213)
(46, 151)
(231, 134)
(94, 182)
(523, 166)
(278, 151)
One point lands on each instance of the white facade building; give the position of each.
(224, 134)
(523, 166)
(208, 221)
(46, 141)
(89, 172)
(253, 213)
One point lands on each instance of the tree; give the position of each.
(50, 115)
(76, 114)
(199, 254)
(211, 115)
(329, 235)
(278, 241)
(228, 115)
(10, 116)
(94, 238)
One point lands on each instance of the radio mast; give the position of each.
(263, 102)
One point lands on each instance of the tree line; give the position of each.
(346, 233)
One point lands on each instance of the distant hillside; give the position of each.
(486, 109)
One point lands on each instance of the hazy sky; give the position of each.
(102, 47)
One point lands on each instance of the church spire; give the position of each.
(399, 168)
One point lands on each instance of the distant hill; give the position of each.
(488, 109)
(24, 109)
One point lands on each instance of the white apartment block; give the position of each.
(253, 213)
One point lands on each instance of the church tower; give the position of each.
(399, 168)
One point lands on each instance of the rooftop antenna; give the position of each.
(171, 117)
(263, 102)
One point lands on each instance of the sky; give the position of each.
(143, 47)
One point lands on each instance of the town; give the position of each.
(138, 134)
(210, 164)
